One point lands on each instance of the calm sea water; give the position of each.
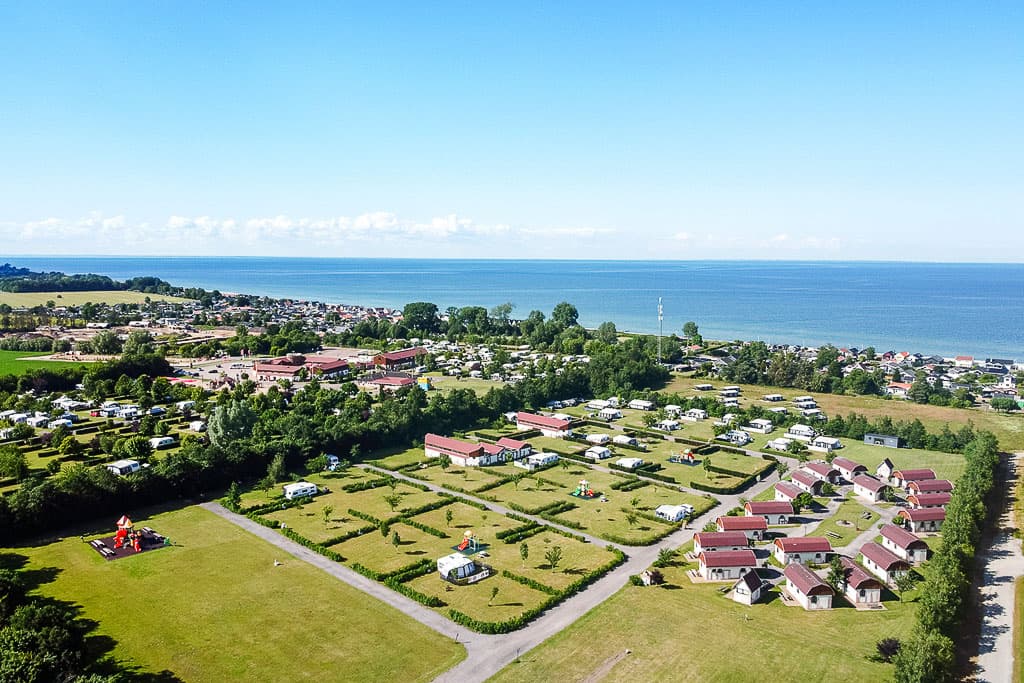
(946, 309)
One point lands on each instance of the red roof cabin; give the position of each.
(718, 541)
(807, 588)
(904, 544)
(923, 519)
(804, 550)
(725, 565)
(773, 511)
(754, 528)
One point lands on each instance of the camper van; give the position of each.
(158, 442)
(300, 489)
(123, 467)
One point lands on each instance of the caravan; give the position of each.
(300, 489)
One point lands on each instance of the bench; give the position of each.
(832, 534)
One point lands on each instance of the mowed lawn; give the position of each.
(15, 363)
(215, 608)
(849, 511)
(689, 632)
(30, 299)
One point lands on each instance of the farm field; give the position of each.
(214, 608)
(1009, 429)
(14, 363)
(30, 299)
(650, 622)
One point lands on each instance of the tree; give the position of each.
(445, 462)
(421, 315)
(836, 573)
(396, 540)
(392, 499)
(277, 471)
(804, 501)
(139, 343)
(565, 315)
(887, 648)
(494, 594)
(234, 496)
(920, 390)
(516, 478)
(137, 448)
(448, 516)
(690, 331)
(632, 519)
(710, 526)
(327, 512)
(706, 464)
(905, 582)
(665, 557)
(524, 552)
(13, 464)
(607, 333)
(1003, 404)
(928, 657)
(106, 342)
(634, 502)
(553, 556)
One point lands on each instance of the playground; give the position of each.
(128, 540)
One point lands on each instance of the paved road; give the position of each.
(1004, 564)
(486, 655)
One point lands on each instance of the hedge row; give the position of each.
(501, 535)
(413, 571)
(365, 485)
(425, 528)
(348, 535)
(315, 547)
(526, 581)
(708, 488)
(526, 533)
(423, 599)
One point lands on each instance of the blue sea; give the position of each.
(947, 309)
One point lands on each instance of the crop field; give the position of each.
(20, 362)
(214, 607)
(30, 299)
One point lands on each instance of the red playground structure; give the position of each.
(128, 540)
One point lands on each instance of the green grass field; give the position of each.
(13, 363)
(215, 608)
(691, 632)
(849, 511)
(30, 299)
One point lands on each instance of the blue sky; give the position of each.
(583, 130)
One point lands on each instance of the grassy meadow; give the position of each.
(20, 362)
(30, 299)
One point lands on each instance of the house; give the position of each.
(898, 389)
(673, 513)
(929, 500)
(638, 404)
(773, 511)
(869, 488)
(123, 467)
(848, 469)
(779, 444)
(801, 432)
(903, 477)
(597, 453)
(158, 442)
(299, 489)
(923, 519)
(963, 362)
(694, 414)
(536, 461)
(883, 563)
(806, 481)
(735, 437)
(904, 544)
(772, 398)
(930, 486)
(673, 410)
(759, 425)
(804, 550)
(624, 440)
(719, 540)
(822, 471)
(514, 448)
(859, 587)
(825, 444)
(807, 588)
(725, 565)
(754, 528)
(393, 360)
(629, 463)
(387, 382)
(882, 440)
(598, 438)
(750, 588)
(609, 413)
(786, 492)
(885, 469)
(460, 453)
(288, 367)
(548, 426)
(667, 425)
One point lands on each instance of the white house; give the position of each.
(786, 492)
(673, 410)
(735, 437)
(754, 528)
(759, 425)
(598, 453)
(597, 404)
(514, 448)
(749, 589)
(715, 541)
(801, 432)
(923, 519)
(598, 438)
(904, 544)
(639, 404)
(673, 513)
(299, 489)
(806, 481)
(883, 563)
(773, 511)
(869, 488)
(822, 471)
(859, 587)
(928, 500)
(848, 469)
(825, 444)
(807, 588)
(902, 478)
(548, 426)
(885, 469)
(804, 550)
(725, 565)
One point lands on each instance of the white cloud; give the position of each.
(682, 237)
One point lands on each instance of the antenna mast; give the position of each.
(661, 319)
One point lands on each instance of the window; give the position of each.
(814, 599)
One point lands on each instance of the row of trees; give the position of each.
(929, 656)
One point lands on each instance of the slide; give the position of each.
(464, 544)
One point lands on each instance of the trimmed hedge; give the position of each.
(315, 547)
(525, 533)
(365, 517)
(526, 581)
(348, 535)
(427, 600)
(425, 528)
(626, 486)
(708, 488)
(365, 485)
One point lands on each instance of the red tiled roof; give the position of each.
(719, 539)
(492, 449)
(769, 507)
(728, 558)
(512, 444)
(856, 577)
(742, 523)
(924, 514)
(901, 537)
(869, 482)
(847, 464)
(397, 356)
(804, 544)
(452, 445)
(805, 580)
(930, 499)
(541, 421)
(806, 478)
(913, 475)
(824, 469)
(883, 557)
(391, 381)
(931, 486)
(788, 489)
